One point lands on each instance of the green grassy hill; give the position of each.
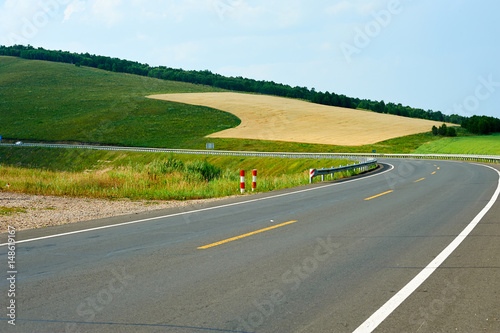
(46, 101)
(58, 102)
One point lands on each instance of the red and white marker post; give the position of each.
(254, 180)
(242, 181)
(312, 173)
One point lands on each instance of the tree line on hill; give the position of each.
(475, 124)
(481, 125)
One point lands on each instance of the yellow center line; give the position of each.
(433, 173)
(419, 180)
(243, 236)
(378, 195)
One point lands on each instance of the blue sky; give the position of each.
(438, 55)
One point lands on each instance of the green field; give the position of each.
(54, 102)
(45, 101)
(477, 145)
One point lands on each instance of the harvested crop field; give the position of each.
(282, 119)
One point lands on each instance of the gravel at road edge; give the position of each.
(37, 211)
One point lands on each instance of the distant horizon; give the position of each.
(428, 55)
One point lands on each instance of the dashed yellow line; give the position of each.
(243, 236)
(378, 195)
(419, 180)
(433, 173)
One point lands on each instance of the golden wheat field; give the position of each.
(282, 119)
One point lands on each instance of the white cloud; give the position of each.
(290, 15)
(74, 7)
(108, 11)
(359, 7)
(258, 16)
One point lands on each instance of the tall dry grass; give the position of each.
(168, 179)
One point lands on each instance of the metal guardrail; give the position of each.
(455, 157)
(364, 166)
(189, 151)
(361, 157)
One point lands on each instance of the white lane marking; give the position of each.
(195, 211)
(381, 314)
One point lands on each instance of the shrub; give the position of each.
(158, 167)
(451, 132)
(435, 130)
(443, 130)
(202, 170)
(174, 164)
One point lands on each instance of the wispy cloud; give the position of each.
(108, 11)
(359, 7)
(76, 6)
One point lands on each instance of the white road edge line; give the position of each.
(381, 314)
(194, 211)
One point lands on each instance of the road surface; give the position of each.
(319, 258)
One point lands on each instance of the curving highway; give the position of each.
(413, 247)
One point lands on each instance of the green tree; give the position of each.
(484, 127)
(443, 130)
(451, 132)
(435, 130)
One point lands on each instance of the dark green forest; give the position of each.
(475, 124)
(481, 125)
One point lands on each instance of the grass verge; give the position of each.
(149, 176)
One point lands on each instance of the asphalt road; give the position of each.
(320, 258)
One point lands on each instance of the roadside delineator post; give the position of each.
(312, 173)
(254, 179)
(242, 181)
